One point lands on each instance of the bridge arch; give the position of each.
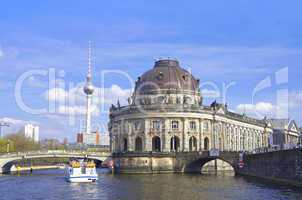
(195, 164)
(217, 166)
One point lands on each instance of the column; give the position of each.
(230, 138)
(166, 141)
(148, 138)
(200, 135)
(184, 138)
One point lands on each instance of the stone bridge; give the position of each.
(159, 162)
(193, 162)
(6, 160)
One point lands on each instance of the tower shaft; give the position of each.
(88, 114)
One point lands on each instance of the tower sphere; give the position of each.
(88, 89)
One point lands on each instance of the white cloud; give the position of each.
(207, 93)
(56, 95)
(17, 122)
(35, 82)
(258, 110)
(78, 110)
(73, 101)
(113, 94)
(1, 53)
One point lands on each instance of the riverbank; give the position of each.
(32, 168)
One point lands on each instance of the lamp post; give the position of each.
(7, 146)
(3, 124)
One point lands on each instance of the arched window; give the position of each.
(174, 143)
(193, 144)
(206, 144)
(138, 144)
(156, 143)
(125, 147)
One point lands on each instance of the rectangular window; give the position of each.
(193, 125)
(156, 125)
(205, 126)
(136, 125)
(174, 124)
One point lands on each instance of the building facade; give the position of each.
(166, 113)
(89, 139)
(285, 132)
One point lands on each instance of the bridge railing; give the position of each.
(275, 148)
(57, 152)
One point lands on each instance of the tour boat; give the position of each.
(80, 171)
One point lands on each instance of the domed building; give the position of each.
(166, 113)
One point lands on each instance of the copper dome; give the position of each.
(166, 75)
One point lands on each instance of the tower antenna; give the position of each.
(89, 74)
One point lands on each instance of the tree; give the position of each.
(6, 146)
(20, 143)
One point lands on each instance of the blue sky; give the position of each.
(221, 42)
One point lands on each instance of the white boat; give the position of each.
(80, 171)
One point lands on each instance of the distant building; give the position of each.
(65, 141)
(80, 138)
(285, 132)
(92, 138)
(50, 143)
(105, 139)
(31, 131)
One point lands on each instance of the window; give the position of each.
(192, 125)
(138, 144)
(156, 144)
(125, 147)
(156, 125)
(174, 124)
(136, 125)
(160, 75)
(174, 143)
(205, 126)
(192, 144)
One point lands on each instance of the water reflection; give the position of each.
(50, 184)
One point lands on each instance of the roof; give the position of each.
(279, 123)
(282, 123)
(166, 75)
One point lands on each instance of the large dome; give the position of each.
(166, 75)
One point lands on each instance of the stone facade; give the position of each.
(166, 113)
(285, 132)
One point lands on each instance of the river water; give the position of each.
(50, 184)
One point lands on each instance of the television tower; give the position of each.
(88, 89)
